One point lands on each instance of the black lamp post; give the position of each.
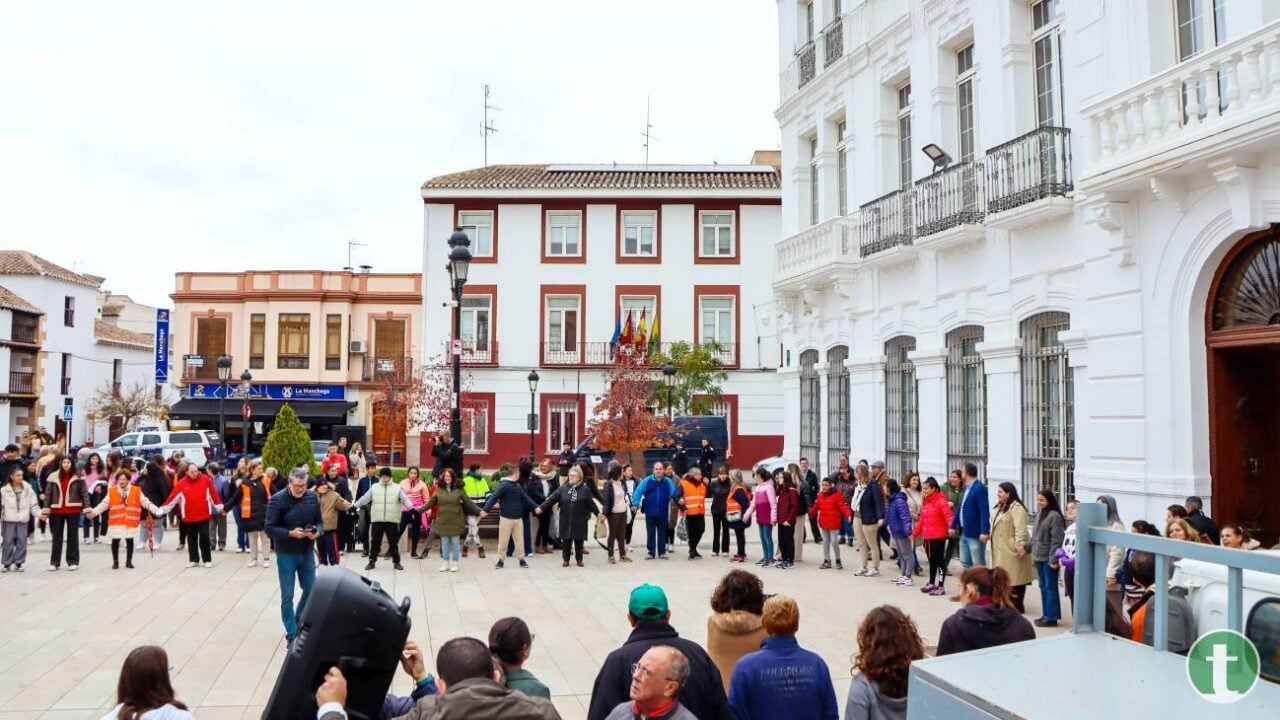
(533, 423)
(669, 377)
(459, 264)
(246, 384)
(224, 374)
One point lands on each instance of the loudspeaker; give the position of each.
(350, 623)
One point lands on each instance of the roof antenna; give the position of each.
(648, 131)
(350, 244)
(486, 129)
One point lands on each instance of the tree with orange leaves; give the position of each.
(623, 421)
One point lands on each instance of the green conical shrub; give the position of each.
(288, 443)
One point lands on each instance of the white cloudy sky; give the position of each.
(139, 139)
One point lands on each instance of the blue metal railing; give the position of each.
(1092, 538)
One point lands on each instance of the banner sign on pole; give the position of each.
(162, 346)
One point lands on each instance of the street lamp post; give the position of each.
(224, 374)
(533, 423)
(246, 384)
(459, 264)
(669, 377)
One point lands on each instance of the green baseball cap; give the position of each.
(648, 602)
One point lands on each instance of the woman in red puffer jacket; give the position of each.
(831, 510)
(935, 520)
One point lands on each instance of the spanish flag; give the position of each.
(624, 337)
(640, 330)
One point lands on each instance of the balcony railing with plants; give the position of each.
(948, 198)
(600, 354)
(1028, 168)
(886, 222)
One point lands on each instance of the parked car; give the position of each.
(1206, 585)
(199, 446)
(690, 429)
(319, 448)
(772, 464)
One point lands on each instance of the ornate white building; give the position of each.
(1084, 293)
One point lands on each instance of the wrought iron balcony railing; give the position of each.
(886, 222)
(1034, 166)
(832, 42)
(948, 198)
(600, 354)
(24, 334)
(22, 383)
(808, 57)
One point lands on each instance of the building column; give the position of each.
(1000, 361)
(789, 380)
(866, 407)
(1077, 344)
(931, 396)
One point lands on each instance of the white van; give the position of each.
(1206, 585)
(199, 446)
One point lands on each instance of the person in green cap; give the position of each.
(650, 616)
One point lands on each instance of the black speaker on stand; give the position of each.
(350, 623)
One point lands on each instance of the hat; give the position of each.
(384, 472)
(648, 602)
(878, 464)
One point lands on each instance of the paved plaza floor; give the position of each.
(66, 634)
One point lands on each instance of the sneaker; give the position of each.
(898, 580)
(1046, 623)
(928, 588)
(498, 565)
(783, 566)
(873, 573)
(860, 572)
(208, 564)
(626, 558)
(253, 563)
(444, 567)
(20, 568)
(53, 568)
(4, 569)
(839, 565)
(397, 566)
(648, 557)
(664, 557)
(453, 566)
(826, 565)
(524, 564)
(936, 591)
(907, 581)
(370, 565)
(193, 564)
(73, 567)
(266, 563)
(760, 562)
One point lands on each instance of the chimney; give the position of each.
(767, 157)
(365, 269)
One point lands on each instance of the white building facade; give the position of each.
(1081, 294)
(561, 255)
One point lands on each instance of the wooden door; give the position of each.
(389, 434)
(388, 340)
(1246, 461)
(211, 341)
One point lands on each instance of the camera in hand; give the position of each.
(309, 528)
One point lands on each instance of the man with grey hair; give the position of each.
(294, 522)
(655, 680)
(1202, 523)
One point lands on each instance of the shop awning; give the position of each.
(317, 411)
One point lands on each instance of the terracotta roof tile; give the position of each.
(616, 177)
(108, 333)
(10, 301)
(21, 262)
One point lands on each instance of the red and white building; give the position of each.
(561, 253)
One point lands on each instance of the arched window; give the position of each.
(1048, 418)
(1249, 291)
(902, 409)
(810, 408)
(966, 400)
(837, 405)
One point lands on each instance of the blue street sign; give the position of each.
(68, 410)
(162, 346)
(270, 391)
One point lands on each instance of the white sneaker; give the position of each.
(208, 564)
(253, 563)
(193, 564)
(453, 566)
(266, 563)
(444, 567)
(53, 568)
(73, 567)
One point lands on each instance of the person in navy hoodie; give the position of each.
(972, 521)
(654, 494)
(782, 679)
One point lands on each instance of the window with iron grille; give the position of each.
(966, 400)
(810, 406)
(902, 408)
(837, 405)
(1048, 415)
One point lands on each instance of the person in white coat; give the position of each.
(18, 505)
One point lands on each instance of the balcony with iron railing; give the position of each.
(840, 39)
(385, 369)
(482, 352)
(832, 42)
(949, 198)
(807, 56)
(602, 354)
(886, 222)
(1210, 104)
(25, 334)
(22, 383)
(1032, 167)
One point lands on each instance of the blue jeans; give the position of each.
(766, 540)
(1049, 600)
(972, 552)
(450, 547)
(287, 566)
(242, 537)
(656, 531)
(846, 529)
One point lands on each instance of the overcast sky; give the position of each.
(141, 139)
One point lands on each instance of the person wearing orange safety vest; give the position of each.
(736, 513)
(123, 504)
(693, 504)
(249, 499)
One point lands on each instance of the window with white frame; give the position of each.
(966, 399)
(904, 136)
(964, 101)
(716, 234)
(475, 427)
(809, 21)
(1197, 32)
(564, 234)
(475, 330)
(639, 233)
(717, 320)
(1047, 55)
(562, 424)
(637, 305)
(562, 328)
(842, 167)
(813, 180)
(479, 229)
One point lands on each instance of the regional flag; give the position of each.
(655, 338)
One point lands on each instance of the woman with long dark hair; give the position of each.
(65, 495)
(453, 504)
(144, 691)
(511, 642)
(154, 481)
(987, 618)
(616, 508)
(888, 642)
(787, 515)
(411, 515)
(1010, 542)
(1051, 528)
(934, 525)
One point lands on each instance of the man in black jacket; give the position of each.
(448, 454)
(648, 612)
(294, 522)
(10, 462)
(1202, 523)
(808, 494)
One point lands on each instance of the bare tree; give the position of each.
(421, 394)
(128, 403)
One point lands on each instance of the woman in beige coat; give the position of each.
(734, 628)
(1011, 542)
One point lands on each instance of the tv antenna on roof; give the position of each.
(648, 131)
(351, 244)
(486, 129)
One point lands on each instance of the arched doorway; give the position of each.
(1242, 332)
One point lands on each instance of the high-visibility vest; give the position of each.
(695, 497)
(246, 495)
(732, 505)
(124, 510)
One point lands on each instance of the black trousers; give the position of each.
(787, 542)
(412, 521)
(115, 551)
(574, 544)
(65, 526)
(816, 532)
(196, 537)
(740, 534)
(695, 525)
(379, 530)
(1019, 596)
(543, 537)
(936, 550)
(617, 528)
(719, 533)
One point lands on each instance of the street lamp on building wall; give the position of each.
(533, 413)
(669, 377)
(459, 264)
(224, 374)
(246, 384)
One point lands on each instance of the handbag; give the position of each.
(733, 516)
(602, 526)
(682, 532)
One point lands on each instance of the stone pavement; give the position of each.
(61, 651)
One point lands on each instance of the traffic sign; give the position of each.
(246, 412)
(68, 410)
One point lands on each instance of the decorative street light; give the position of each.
(459, 264)
(533, 413)
(246, 384)
(224, 374)
(669, 377)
